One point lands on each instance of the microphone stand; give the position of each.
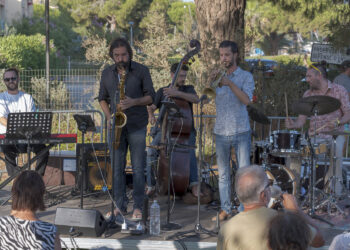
(198, 228)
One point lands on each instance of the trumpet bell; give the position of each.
(209, 92)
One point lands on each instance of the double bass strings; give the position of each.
(170, 169)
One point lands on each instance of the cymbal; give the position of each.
(323, 105)
(256, 115)
(336, 133)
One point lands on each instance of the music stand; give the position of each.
(85, 123)
(28, 126)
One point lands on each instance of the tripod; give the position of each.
(331, 200)
(313, 175)
(198, 228)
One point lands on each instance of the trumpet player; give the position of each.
(139, 92)
(232, 129)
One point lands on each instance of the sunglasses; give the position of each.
(10, 79)
(315, 68)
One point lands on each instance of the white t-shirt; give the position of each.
(21, 102)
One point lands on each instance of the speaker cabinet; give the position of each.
(97, 166)
(79, 222)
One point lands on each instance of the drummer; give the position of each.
(332, 119)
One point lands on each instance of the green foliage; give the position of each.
(65, 39)
(180, 13)
(24, 51)
(101, 17)
(330, 17)
(59, 95)
(270, 91)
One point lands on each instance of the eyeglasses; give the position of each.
(268, 185)
(10, 79)
(315, 68)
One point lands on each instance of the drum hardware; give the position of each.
(314, 106)
(331, 201)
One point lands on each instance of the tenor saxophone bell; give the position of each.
(210, 91)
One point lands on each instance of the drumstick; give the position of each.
(325, 125)
(285, 98)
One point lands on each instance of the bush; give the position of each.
(24, 51)
(270, 91)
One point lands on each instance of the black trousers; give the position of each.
(11, 152)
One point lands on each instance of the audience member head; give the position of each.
(28, 192)
(288, 231)
(251, 185)
(340, 242)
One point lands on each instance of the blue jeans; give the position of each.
(152, 156)
(241, 143)
(136, 141)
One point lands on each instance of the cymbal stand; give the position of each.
(331, 200)
(198, 228)
(313, 174)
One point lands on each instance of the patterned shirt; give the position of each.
(338, 92)
(25, 234)
(231, 114)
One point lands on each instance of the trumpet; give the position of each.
(210, 91)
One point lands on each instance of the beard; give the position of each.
(12, 86)
(122, 65)
(227, 65)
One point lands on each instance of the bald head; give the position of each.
(250, 182)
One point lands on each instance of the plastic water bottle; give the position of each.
(346, 127)
(154, 221)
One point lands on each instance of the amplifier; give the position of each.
(97, 166)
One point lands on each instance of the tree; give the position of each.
(220, 20)
(111, 15)
(24, 52)
(67, 41)
(333, 15)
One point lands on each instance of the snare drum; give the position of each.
(285, 142)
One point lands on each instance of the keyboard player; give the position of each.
(14, 101)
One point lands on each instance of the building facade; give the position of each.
(11, 10)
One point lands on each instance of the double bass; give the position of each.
(176, 118)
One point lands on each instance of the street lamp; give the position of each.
(131, 34)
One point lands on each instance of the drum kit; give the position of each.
(273, 154)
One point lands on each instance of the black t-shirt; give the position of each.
(138, 83)
(184, 88)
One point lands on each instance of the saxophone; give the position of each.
(119, 116)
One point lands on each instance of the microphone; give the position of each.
(276, 191)
(203, 98)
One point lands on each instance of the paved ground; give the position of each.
(183, 214)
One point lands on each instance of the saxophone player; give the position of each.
(139, 92)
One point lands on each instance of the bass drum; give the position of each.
(282, 177)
